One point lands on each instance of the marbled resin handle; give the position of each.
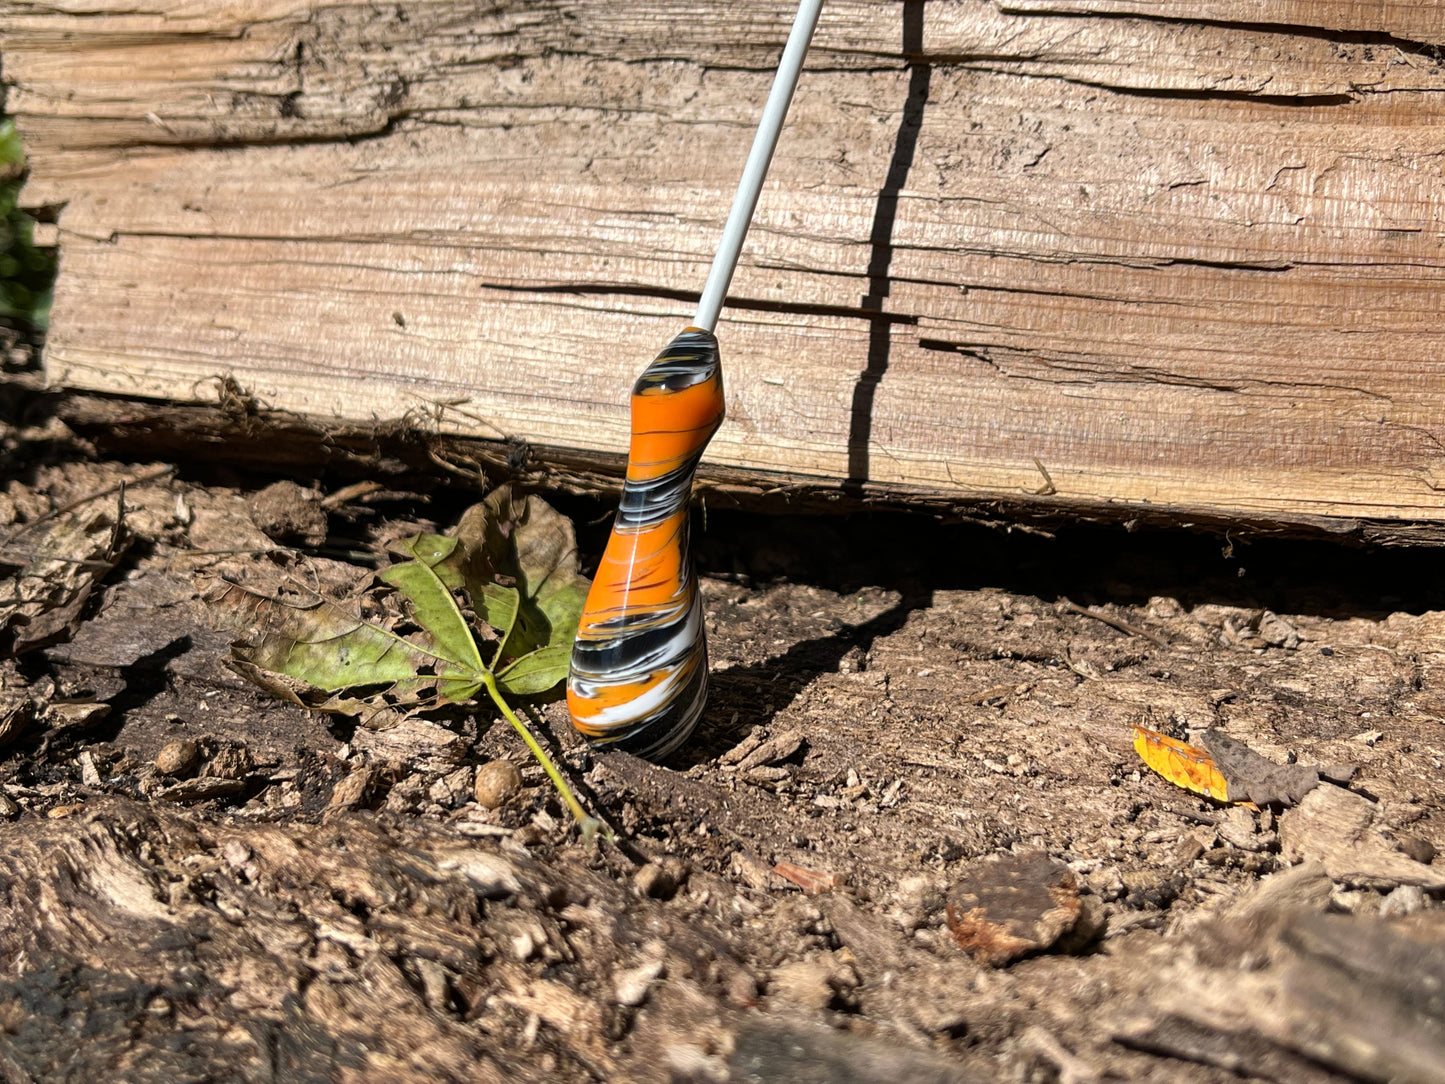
(639, 665)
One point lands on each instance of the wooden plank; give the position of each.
(1183, 256)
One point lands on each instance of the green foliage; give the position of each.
(511, 564)
(26, 272)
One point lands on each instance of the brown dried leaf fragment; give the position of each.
(1254, 778)
(42, 602)
(1012, 905)
(17, 712)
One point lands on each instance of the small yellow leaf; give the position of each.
(1182, 764)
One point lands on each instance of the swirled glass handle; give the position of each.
(639, 664)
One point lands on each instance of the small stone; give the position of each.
(652, 880)
(742, 990)
(630, 986)
(65, 810)
(496, 782)
(1421, 850)
(1236, 827)
(235, 853)
(916, 897)
(522, 944)
(1277, 632)
(9, 807)
(752, 871)
(806, 983)
(179, 758)
(1404, 900)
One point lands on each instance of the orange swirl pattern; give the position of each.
(639, 664)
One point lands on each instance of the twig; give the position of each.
(1071, 1068)
(351, 493)
(1113, 622)
(1048, 489)
(471, 475)
(1006, 691)
(442, 406)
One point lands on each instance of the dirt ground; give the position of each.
(293, 899)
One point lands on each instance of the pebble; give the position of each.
(179, 758)
(496, 782)
(9, 807)
(1236, 827)
(805, 983)
(236, 854)
(743, 990)
(630, 986)
(1404, 900)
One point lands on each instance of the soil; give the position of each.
(907, 717)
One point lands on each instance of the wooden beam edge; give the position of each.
(237, 432)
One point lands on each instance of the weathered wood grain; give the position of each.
(1179, 255)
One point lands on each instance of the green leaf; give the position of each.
(528, 543)
(317, 642)
(561, 600)
(436, 610)
(498, 607)
(535, 672)
(516, 564)
(545, 547)
(429, 549)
